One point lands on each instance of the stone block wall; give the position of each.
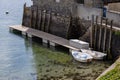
(65, 7)
(115, 16)
(114, 7)
(46, 21)
(93, 3)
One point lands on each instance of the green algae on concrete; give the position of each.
(59, 57)
(117, 33)
(55, 65)
(113, 72)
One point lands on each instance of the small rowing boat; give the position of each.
(81, 57)
(95, 54)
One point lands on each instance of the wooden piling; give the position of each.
(43, 20)
(95, 36)
(39, 19)
(105, 33)
(110, 38)
(100, 35)
(48, 22)
(31, 18)
(91, 31)
(36, 23)
(68, 25)
(34, 18)
(23, 19)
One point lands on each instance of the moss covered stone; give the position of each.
(117, 33)
(113, 74)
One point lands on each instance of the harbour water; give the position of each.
(21, 59)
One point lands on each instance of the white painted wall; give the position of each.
(87, 12)
(114, 16)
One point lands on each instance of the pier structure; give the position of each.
(103, 35)
(47, 38)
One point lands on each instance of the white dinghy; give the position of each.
(95, 54)
(81, 57)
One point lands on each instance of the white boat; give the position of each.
(81, 57)
(95, 54)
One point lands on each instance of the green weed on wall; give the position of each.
(114, 74)
(117, 33)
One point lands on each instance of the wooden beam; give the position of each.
(110, 38)
(39, 19)
(104, 39)
(100, 35)
(91, 31)
(43, 20)
(95, 37)
(23, 19)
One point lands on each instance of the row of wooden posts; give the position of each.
(46, 21)
(101, 34)
(34, 20)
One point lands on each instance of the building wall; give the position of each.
(87, 12)
(115, 17)
(93, 3)
(62, 7)
(114, 6)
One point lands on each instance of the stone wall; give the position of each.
(115, 16)
(87, 12)
(47, 21)
(114, 7)
(65, 7)
(93, 3)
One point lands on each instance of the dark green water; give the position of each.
(24, 60)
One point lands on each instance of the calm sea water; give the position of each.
(15, 60)
(23, 60)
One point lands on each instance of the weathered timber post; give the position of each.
(68, 26)
(48, 22)
(39, 19)
(110, 41)
(96, 26)
(23, 19)
(36, 23)
(34, 17)
(43, 20)
(91, 31)
(105, 32)
(100, 35)
(31, 18)
(30, 24)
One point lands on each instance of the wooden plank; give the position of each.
(43, 20)
(108, 26)
(23, 19)
(100, 35)
(95, 37)
(105, 33)
(91, 35)
(48, 20)
(34, 18)
(39, 19)
(44, 35)
(110, 38)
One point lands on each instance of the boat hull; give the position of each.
(81, 57)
